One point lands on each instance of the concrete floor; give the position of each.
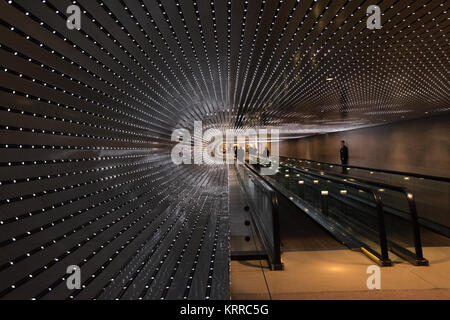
(341, 274)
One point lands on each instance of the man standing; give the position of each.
(344, 156)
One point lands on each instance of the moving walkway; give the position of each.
(360, 214)
(254, 231)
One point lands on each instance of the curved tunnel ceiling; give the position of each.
(307, 66)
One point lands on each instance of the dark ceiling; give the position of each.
(148, 66)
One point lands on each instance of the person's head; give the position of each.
(342, 142)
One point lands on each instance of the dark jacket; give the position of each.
(344, 154)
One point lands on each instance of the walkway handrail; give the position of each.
(418, 259)
(408, 174)
(384, 258)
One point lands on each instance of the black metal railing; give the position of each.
(323, 202)
(411, 217)
(394, 172)
(431, 193)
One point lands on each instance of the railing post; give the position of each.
(420, 260)
(382, 230)
(277, 264)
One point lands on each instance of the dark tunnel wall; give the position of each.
(86, 177)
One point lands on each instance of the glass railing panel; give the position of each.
(399, 222)
(339, 204)
(400, 214)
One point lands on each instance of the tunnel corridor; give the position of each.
(88, 115)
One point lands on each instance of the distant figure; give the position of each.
(344, 157)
